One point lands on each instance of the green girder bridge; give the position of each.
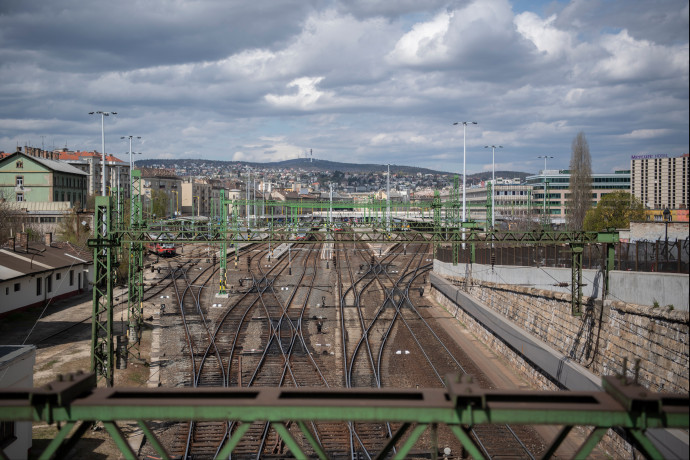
(75, 404)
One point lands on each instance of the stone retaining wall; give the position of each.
(528, 309)
(602, 338)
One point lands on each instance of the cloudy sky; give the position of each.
(355, 80)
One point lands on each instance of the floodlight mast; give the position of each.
(464, 170)
(103, 115)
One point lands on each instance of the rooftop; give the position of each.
(38, 258)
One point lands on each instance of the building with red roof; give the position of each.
(117, 171)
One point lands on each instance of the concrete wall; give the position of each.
(17, 370)
(653, 231)
(641, 288)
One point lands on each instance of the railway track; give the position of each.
(277, 330)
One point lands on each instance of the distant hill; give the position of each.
(318, 166)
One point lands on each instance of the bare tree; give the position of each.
(13, 220)
(580, 200)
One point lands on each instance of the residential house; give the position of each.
(36, 179)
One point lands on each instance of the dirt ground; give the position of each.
(60, 351)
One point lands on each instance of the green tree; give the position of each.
(615, 210)
(160, 204)
(74, 229)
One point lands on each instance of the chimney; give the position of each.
(48, 239)
(23, 240)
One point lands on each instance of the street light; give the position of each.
(130, 154)
(493, 181)
(464, 156)
(103, 115)
(545, 157)
(176, 201)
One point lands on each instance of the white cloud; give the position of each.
(396, 138)
(306, 97)
(633, 60)
(425, 43)
(645, 134)
(542, 33)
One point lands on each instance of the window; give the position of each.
(7, 291)
(19, 181)
(49, 283)
(17, 287)
(20, 197)
(58, 276)
(38, 286)
(71, 277)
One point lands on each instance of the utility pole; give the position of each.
(388, 200)
(545, 157)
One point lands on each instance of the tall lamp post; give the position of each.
(103, 115)
(175, 202)
(130, 154)
(493, 181)
(545, 157)
(464, 162)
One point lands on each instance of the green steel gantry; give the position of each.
(435, 222)
(135, 273)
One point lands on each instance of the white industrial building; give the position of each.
(34, 274)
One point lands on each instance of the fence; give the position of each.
(644, 256)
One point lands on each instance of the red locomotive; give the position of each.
(160, 248)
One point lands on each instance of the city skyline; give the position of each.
(354, 81)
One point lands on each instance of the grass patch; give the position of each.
(48, 365)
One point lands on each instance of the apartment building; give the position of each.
(117, 174)
(196, 197)
(41, 180)
(155, 180)
(661, 181)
